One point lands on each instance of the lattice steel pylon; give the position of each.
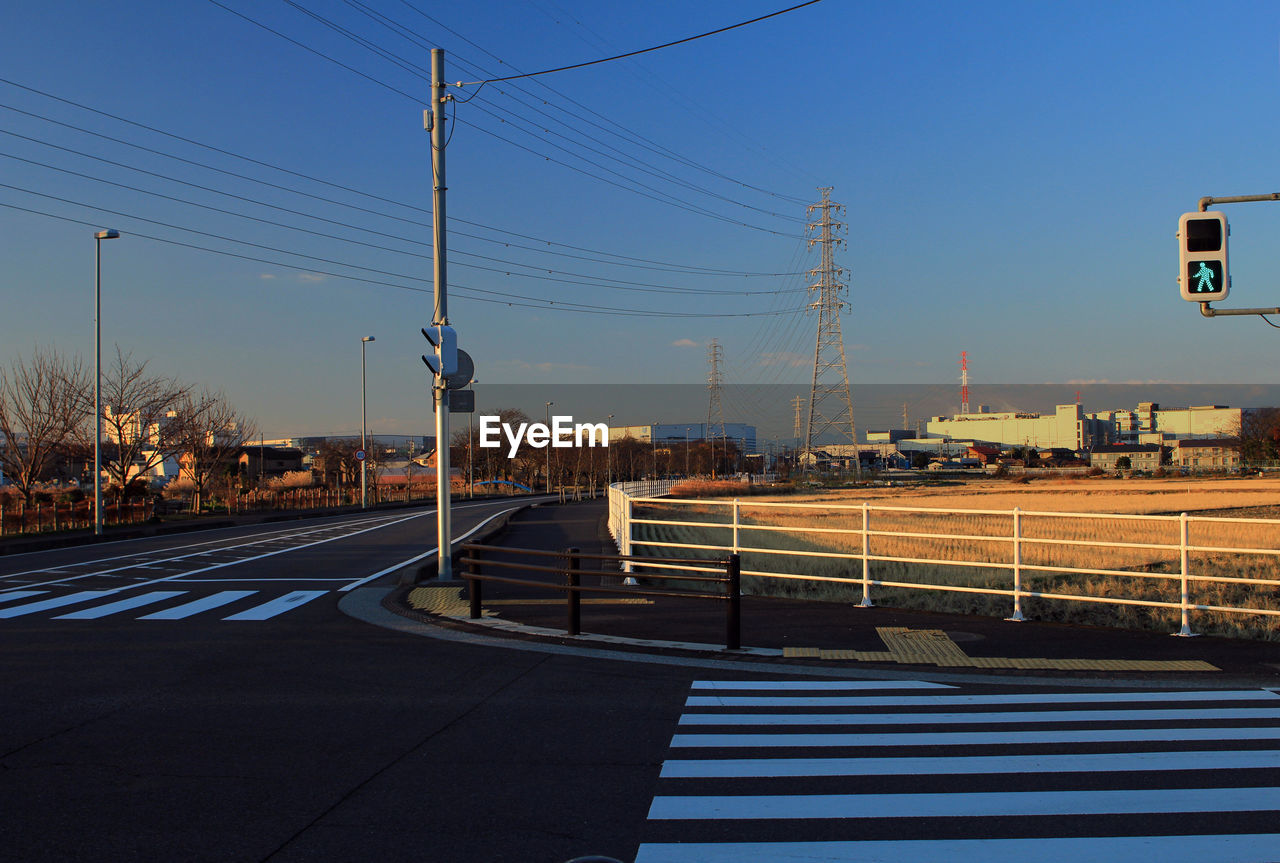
(715, 383)
(830, 404)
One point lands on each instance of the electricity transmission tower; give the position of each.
(715, 383)
(830, 405)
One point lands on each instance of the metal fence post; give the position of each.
(733, 590)
(866, 557)
(737, 514)
(1017, 566)
(628, 505)
(1185, 556)
(572, 565)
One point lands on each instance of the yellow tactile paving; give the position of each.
(906, 646)
(439, 600)
(935, 647)
(623, 601)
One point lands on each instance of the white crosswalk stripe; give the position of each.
(767, 772)
(12, 595)
(204, 603)
(288, 602)
(100, 604)
(126, 604)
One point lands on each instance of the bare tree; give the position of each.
(337, 462)
(139, 419)
(42, 404)
(209, 433)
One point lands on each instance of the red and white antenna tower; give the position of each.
(964, 382)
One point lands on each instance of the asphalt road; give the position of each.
(201, 725)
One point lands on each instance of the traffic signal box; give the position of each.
(443, 361)
(1202, 253)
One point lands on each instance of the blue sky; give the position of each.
(1013, 175)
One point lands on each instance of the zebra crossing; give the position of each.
(913, 771)
(98, 604)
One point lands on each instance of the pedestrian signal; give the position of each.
(1202, 253)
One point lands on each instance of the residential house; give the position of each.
(1142, 456)
(257, 462)
(1211, 454)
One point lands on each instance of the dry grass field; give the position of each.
(805, 546)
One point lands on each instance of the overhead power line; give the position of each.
(619, 259)
(642, 50)
(467, 291)
(630, 162)
(593, 281)
(661, 197)
(618, 130)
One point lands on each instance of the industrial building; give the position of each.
(1069, 427)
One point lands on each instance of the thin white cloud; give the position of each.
(684, 343)
(549, 367)
(786, 359)
(1130, 382)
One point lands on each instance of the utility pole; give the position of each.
(440, 312)
(830, 405)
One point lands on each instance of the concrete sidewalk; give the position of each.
(815, 633)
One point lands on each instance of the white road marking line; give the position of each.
(944, 700)
(55, 602)
(179, 575)
(121, 605)
(785, 685)
(196, 606)
(1101, 762)
(1008, 717)
(402, 564)
(1166, 849)
(968, 805)
(278, 606)
(258, 539)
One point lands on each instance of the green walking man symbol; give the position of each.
(1205, 276)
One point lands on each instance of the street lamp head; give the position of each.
(108, 234)
(368, 339)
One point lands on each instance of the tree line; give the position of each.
(47, 426)
(587, 466)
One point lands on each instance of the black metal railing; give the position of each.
(570, 573)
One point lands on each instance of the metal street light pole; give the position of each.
(364, 484)
(686, 452)
(109, 234)
(549, 404)
(608, 456)
(471, 476)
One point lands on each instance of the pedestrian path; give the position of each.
(935, 647)
(911, 771)
(253, 605)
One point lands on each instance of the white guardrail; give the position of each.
(629, 532)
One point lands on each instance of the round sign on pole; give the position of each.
(360, 455)
(466, 371)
